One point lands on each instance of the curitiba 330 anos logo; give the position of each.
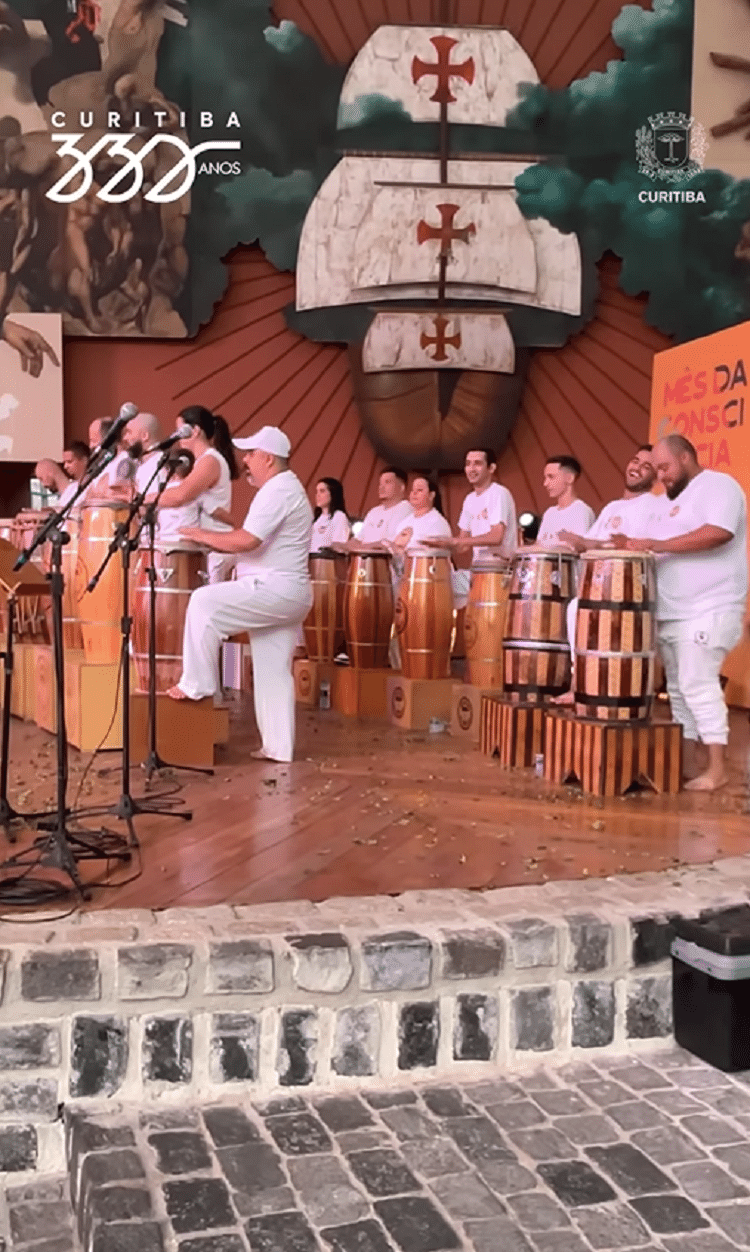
(671, 147)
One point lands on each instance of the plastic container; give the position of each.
(711, 987)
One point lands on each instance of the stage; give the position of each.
(369, 810)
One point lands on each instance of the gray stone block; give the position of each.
(472, 954)
(154, 971)
(245, 966)
(35, 1100)
(235, 1047)
(590, 943)
(593, 1014)
(29, 1046)
(476, 1029)
(168, 1049)
(18, 1149)
(649, 1008)
(533, 943)
(356, 1044)
(98, 1055)
(532, 1017)
(321, 963)
(69, 975)
(401, 961)
(418, 1034)
(327, 1191)
(297, 1045)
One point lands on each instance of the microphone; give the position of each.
(183, 433)
(126, 414)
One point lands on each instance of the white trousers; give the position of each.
(570, 617)
(692, 652)
(251, 604)
(461, 582)
(220, 566)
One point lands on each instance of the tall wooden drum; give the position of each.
(424, 617)
(615, 639)
(72, 636)
(536, 647)
(324, 622)
(100, 610)
(368, 609)
(178, 573)
(484, 624)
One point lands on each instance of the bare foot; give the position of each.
(176, 693)
(566, 698)
(261, 755)
(707, 782)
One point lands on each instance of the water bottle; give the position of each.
(325, 694)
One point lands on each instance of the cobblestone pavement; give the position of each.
(610, 1154)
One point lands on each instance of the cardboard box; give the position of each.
(466, 710)
(186, 730)
(308, 675)
(413, 702)
(360, 692)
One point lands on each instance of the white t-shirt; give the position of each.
(67, 494)
(431, 525)
(281, 517)
(170, 521)
(634, 516)
(145, 472)
(481, 512)
(577, 517)
(384, 524)
(217, 497)
(327, 530)
(690, 585)
(111, 475)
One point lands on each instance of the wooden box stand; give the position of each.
(514, 732)
(23, 691)
(93, 699)
(308, 675)
(413, 702)
(608, 758)
(466, 710)
(360, 692)
(186, 730)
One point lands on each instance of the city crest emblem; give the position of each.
(671, 147)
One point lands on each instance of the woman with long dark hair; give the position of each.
(330, 521)
(209, 483)
(426, 521)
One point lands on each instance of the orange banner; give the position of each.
(700, 390)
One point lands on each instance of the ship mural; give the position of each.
(435, 251)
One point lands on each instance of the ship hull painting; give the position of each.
(438, 249)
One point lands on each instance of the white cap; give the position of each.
(268, 439)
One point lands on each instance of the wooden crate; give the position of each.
(359, 691)
(607, 758)
(93, 704)
(413, 702)
(186, 730)
(308, 675)
(466, 710)
(513, 732)
(23, 690)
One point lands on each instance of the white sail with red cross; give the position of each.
(444, 338)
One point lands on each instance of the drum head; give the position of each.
(491, 567)
(604, 554)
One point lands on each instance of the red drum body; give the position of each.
(325, 621)
(178, 573)
(100, 610)
(424, 617)
(484, 624)
(536, 647)
(368, 609)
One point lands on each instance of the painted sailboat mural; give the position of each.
(436, 247)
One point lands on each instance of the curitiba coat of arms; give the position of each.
(671, 147)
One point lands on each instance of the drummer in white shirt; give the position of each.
(568, 511)
(330, 521)
(385, 520)
(487, 525)
(108, 484)
(426, 522)
(75, 461)
(701, 591)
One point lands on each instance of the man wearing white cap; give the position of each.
(270, 597)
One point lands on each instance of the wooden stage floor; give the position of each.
(369, 810)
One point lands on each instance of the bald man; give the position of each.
(701, 583)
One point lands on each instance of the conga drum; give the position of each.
(100, 610)
(536, 651)
(424, 617)
(484, 623)
(615, 639)
(72, 636)
(178, 573)
(324, 623)
(368, 609)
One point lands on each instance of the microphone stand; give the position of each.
(127, 806)
(63, 846)
(153, 761)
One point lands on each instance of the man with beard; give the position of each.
(702, 583)
(632, 514)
